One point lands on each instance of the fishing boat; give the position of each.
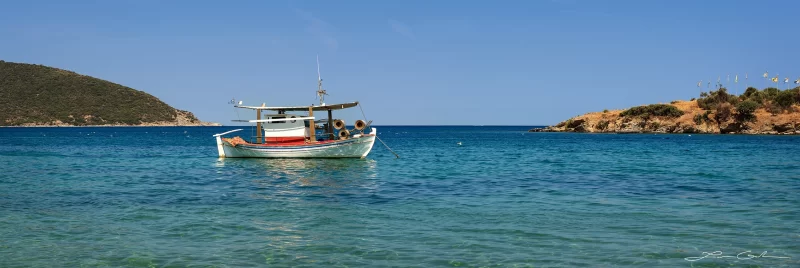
(292, 132)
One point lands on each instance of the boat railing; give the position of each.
(276, 120)
(226, 132)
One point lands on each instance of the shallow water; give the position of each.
(158, 196)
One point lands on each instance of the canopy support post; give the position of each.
(330, 124)
(258, 126)
(312, 127)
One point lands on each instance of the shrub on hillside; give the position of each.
(723, 113)
(602, 125)
(796, 94)
(733, 99)
(655, 125)
(758, 97)
(771, 92)
(749, 92)
(784, 99)
(698, 119)
(665, 110)
(702, 118)
(710, 100)
(745, 111)
(772, 108)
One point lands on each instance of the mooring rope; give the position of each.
(376, 134)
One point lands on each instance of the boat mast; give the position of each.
(320, 92)
(312, 126)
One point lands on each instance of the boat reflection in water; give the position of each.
(291, 178)
(293, 204)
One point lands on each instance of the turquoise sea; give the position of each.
(159, 197)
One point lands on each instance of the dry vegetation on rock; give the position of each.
(768, 111)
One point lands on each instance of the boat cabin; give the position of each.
(286, 128)
(279, 127)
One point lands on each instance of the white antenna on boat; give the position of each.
(320, 92)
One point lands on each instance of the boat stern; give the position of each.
(220, 145)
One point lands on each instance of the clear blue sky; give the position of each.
(411, 62)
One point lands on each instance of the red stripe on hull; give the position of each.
(285, 139)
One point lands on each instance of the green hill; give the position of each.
(39, 95)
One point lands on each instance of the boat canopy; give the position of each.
(276, 120)
(303, 108)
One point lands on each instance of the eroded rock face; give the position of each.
(575, 123)
(731, 128)
(688, 129)
(544, 129)
(783, 128)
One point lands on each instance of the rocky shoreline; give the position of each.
(118, 125)
(182, 119)
(693, 120)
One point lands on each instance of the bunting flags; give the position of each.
(776, 79)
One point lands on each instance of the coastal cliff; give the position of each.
(37, 95)
(768, 111)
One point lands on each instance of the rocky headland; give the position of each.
(768, 111)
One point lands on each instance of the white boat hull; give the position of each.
(351, 148)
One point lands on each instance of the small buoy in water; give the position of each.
(459, 143)
(690, 135)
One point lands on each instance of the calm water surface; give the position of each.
(159, 197)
